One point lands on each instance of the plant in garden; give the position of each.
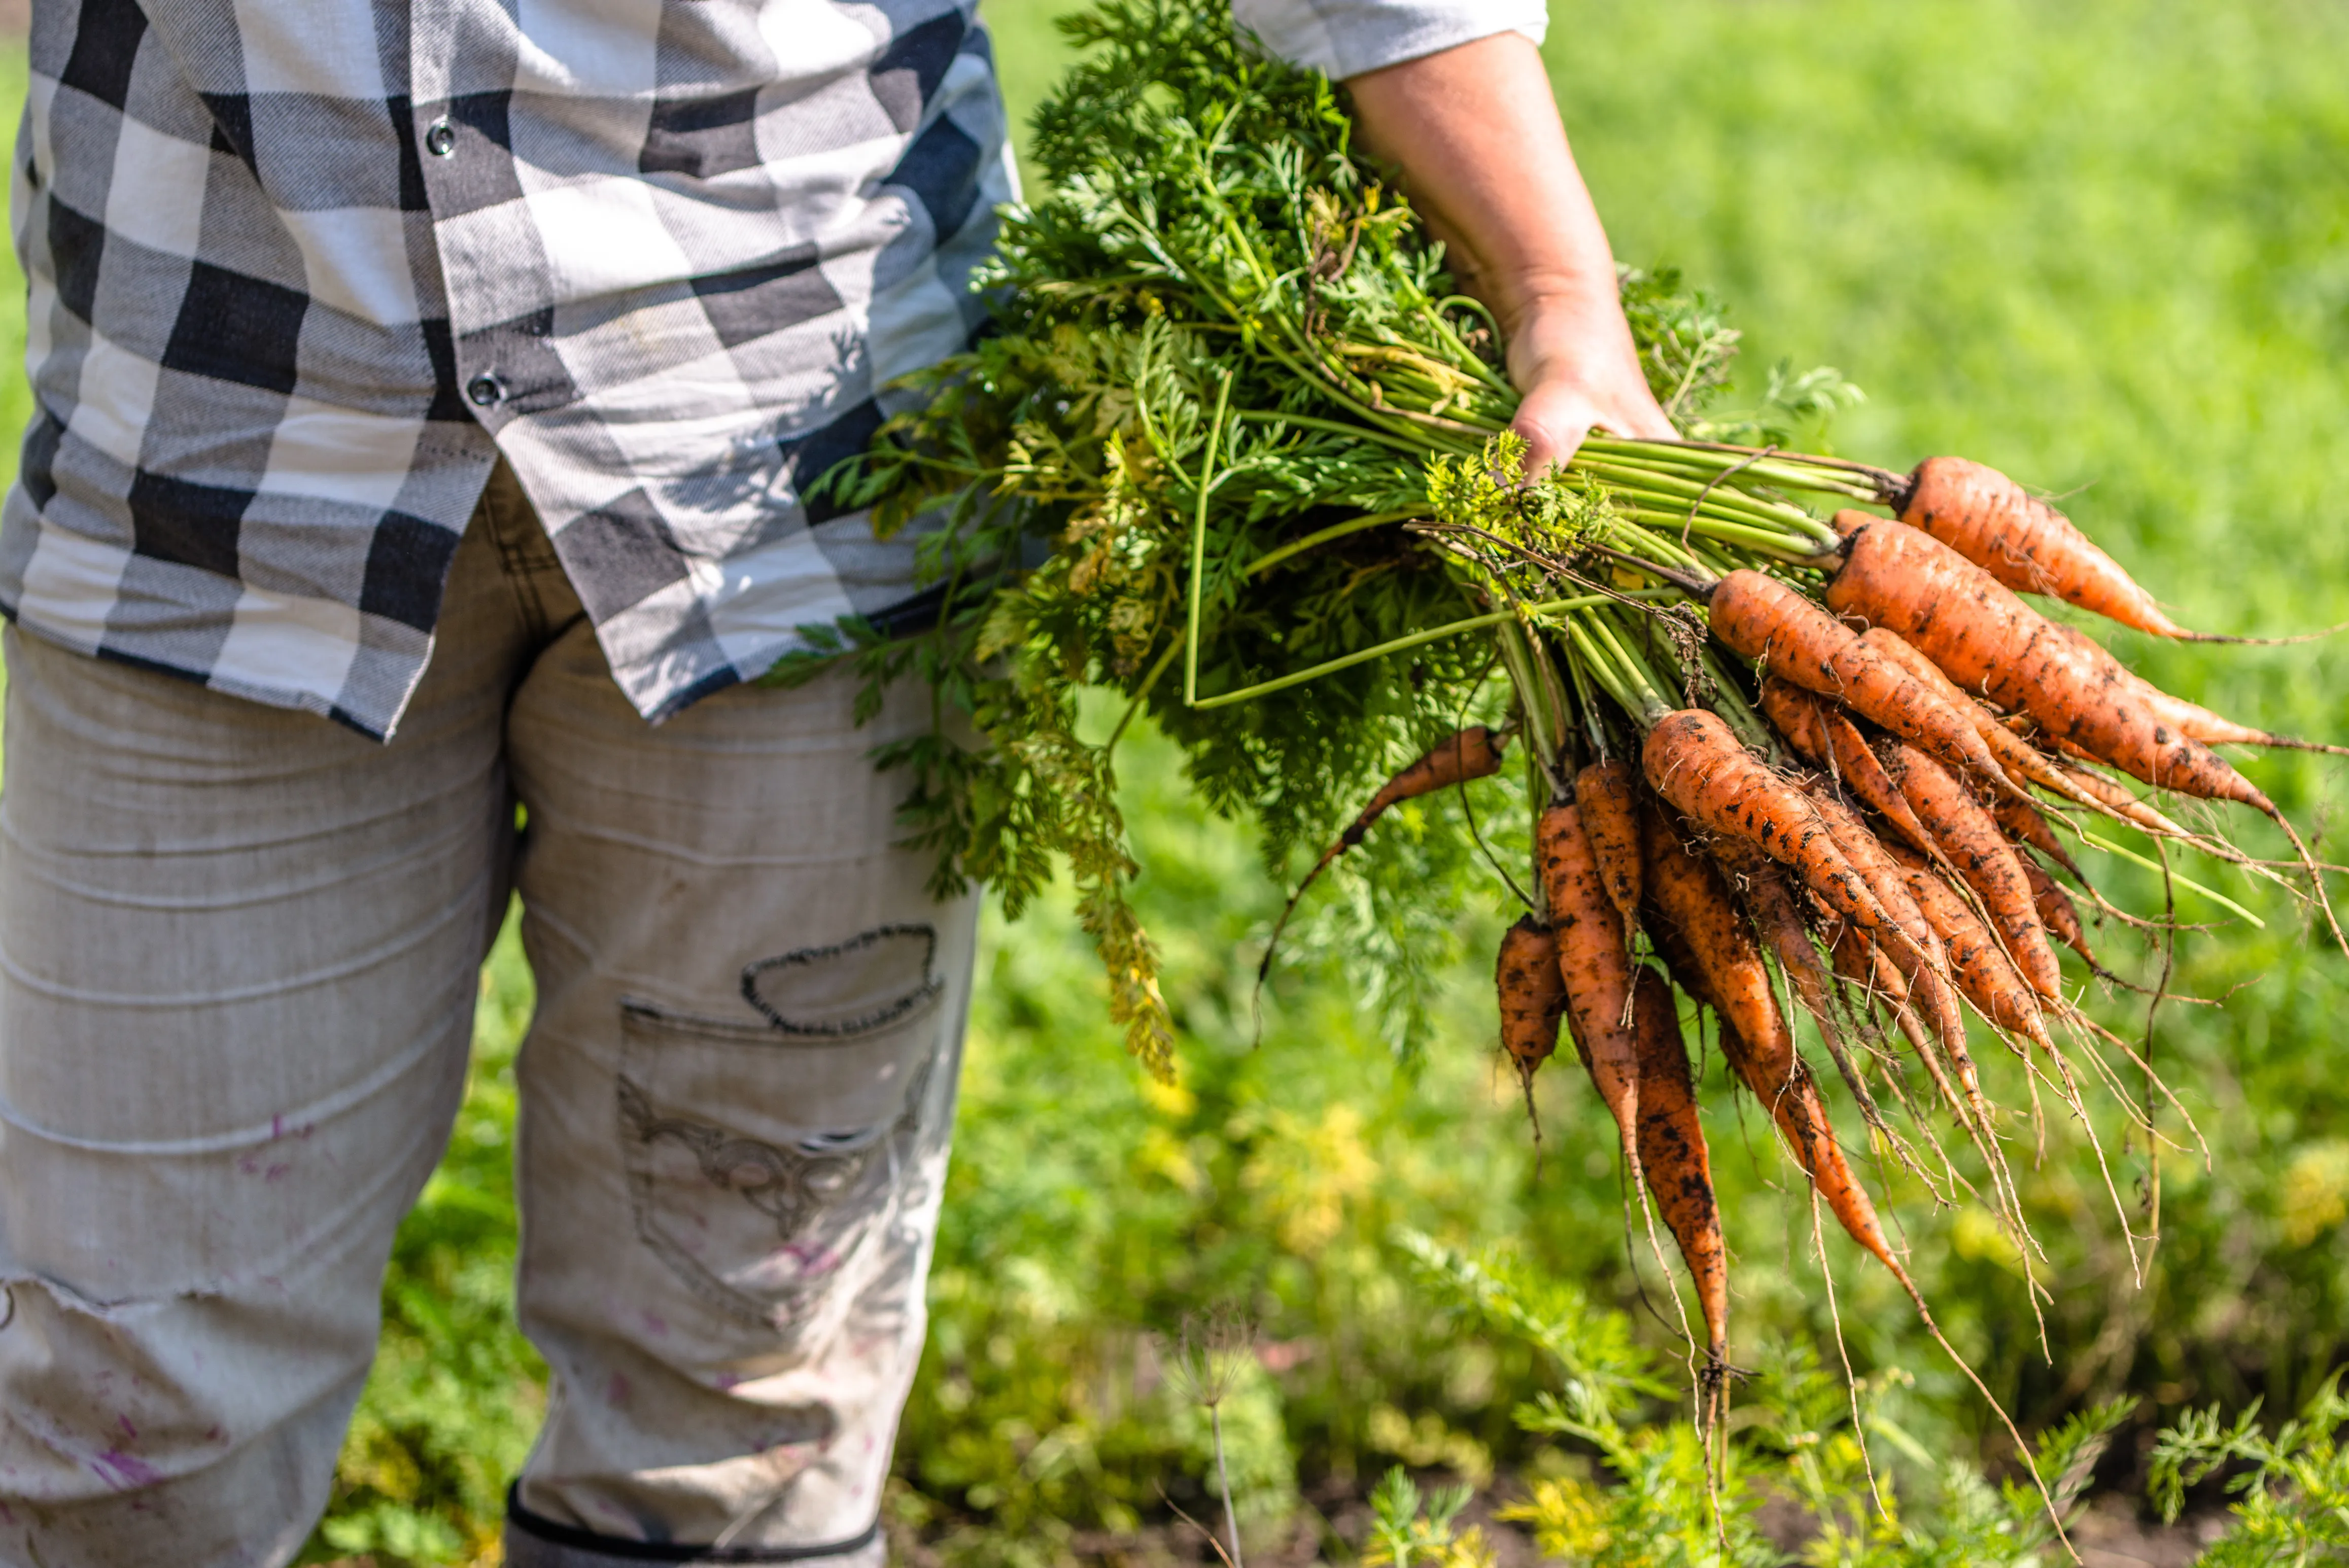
(2294, 1487)
(1408, 1531)
(1673, 1493)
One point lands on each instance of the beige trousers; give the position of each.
(238, 950)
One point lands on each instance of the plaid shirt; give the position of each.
(301, 270)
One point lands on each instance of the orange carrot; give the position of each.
(1818, 730)
(1759, 884)
(2026, 543)
(1867, 857)
(1970, 841)
(2116, 800)
(1785, 1085)
(1688, 895)
(2056, 911)
(2014, 754)
(1974, 628)
(1864, 966)
(2192, 718)
(1927, 975)
(1532, 993)
(1799, 717)
(1693, 761)
(1774, 623)
(1472, 753)
(2025, 825)
(1609, 794)
(1672, 1150)
(1594, 961)
(1980, 966)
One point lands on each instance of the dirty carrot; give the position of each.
(1688, 895)
(2025, 825)
(1694, 762)
(1970, 841)
(1976, 960)
(1594, 961)
(1985, 638)
(1759, 884)
(1472, 753)
(2024, 542)
(2056, 911)
(1609, 794)
(1928, 976)
(2195, 720)
(1786, 1087)
(1787, 632)
(1532, 995)
(1672, 1150)
(1830, 740)
(2021, 761)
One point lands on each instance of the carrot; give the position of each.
(2192, 718)
(1819, 731)
(1672, 1150)
(1970, 841)
(1693, 762)
(1974, 628)
(1595, 962)
(2056, 911)
(1864, 966)
(1760, 885)
(1609, 794)
(1799, 717)
(1926, 977)
(2118, 801)
(2025, 825)
(1981, 968)
(1784, 1084)
(1472, 753)
(1861, 962)
(2026, 543)
(1688, 895)
(2014, 754)
(1867, 857)
(1532, 995)
(1774, 623)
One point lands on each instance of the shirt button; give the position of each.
(485, 390)
(440, 138)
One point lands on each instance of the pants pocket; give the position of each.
(767, 1159)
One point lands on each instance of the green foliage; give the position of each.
(1675, 1495)
(2294, 1486)
(1406, 1531)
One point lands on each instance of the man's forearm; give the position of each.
(1482, 150)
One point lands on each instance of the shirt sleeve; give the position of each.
(1344, 38)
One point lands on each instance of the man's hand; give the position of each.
(1477, 137)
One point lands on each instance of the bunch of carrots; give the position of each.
(1234, 447)
(1865, 805)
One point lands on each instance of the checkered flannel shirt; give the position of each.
(301, 270)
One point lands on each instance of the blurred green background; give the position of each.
(2103, 245)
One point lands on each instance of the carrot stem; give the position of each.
(1199, 545)
(1322, 536)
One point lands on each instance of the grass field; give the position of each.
(2104, 246)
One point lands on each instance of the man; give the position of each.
(426, 392)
